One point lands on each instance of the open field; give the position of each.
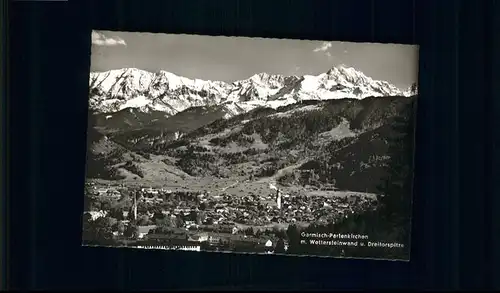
(231, 186)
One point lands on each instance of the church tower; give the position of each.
(278, 199)
(135, 205)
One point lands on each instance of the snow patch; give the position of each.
(137, 102)
(289, 113)
(341, 131)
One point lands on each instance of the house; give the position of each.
(102, 191)
(199, 237)
(97, 214)
(188, 248)
(214, 239)
(353, 200)
(144, 230)
(174, 247)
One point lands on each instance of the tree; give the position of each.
(120, 228)
(98, 232)
(95, 205)
(111, 221)
(280, 246)
(143, 220)
(391, 221)
(293, 235)
(277, 231)
(193, 215)
(179, 222)
(130, 231)
(116, 213)
(157, 216)
(201, 217)
(92, 134)
(249, 231)
(87, 217)
(163, 225)
(87, 199)
(395, 202)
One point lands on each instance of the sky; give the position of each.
(235, 58)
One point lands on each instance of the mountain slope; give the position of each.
(110, 160)
(328, 129)
(339, 142)
(127, 119)
(165, 129)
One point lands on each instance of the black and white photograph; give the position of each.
(250, 145)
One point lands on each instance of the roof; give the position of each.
(182, 242)
(198, 236)
(145, 229)
(167, 236)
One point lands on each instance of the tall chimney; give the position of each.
(278, 198)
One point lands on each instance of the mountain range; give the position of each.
(165, 92)
(161, 127)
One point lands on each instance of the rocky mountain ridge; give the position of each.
(130, 88)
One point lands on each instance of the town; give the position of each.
(161, 218)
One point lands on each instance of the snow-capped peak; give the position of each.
(348, 73)
(164, 91)
(411, 90)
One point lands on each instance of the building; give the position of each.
(278, 199)
(94, 215)
(214, 239)
(202, 237)
(172, 247)
(144, 230)
(102, 191)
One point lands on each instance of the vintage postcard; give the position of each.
(250, 145)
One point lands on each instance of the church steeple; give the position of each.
(278, 199)
(136, 198)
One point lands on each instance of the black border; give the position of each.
(3, 157)
(50, 45)
(473, 254)
(492, 25)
